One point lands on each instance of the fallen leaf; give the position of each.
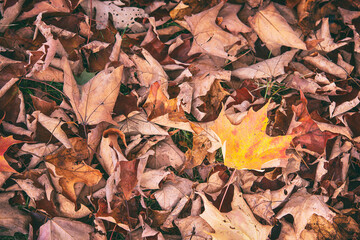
(247, 144)
(302, 206)
(138, 123)
(327, 43)
(64, 228)
(128, 175)
(274, 31)
(326, 65)
(269, 68)
(5, 143)
(166, 154)
(172, 191)
(208, 37)
(308, 133)
(157, 104)
(67, 166)
(12, 219)
(239, 223)
(197, 154)
(122, 17)
(194, 227)
(149, 70)
(94, 101)
(230, 20)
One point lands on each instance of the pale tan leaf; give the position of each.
(326, 65)
(272, 67)
(274, 31)
(208, 37)
(63, 228)
(172, 191)
(230, 20)
(327, 43)
(302, 206)
(194, 228)
(239, 223)
(94, 101)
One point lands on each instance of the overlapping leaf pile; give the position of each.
(115, 116)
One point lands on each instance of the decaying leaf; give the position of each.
(123, 17)
(249, 146)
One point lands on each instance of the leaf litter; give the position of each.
(179, 119)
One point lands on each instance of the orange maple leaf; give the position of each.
(247, 144)
(5, 143)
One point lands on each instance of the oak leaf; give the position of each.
(68, 167)
(247, 144)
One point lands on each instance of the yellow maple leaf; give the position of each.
(247, 144)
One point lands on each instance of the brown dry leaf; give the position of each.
(197, 154)
(269, 68)
(230, 20)
(327, 43)
(157, 104)
(10, 14)
(194, 228)
(172, 191)
(12, 219)
(212, 101)
(45, 6)
(208, 37)
(274, 31)
(138, 124)
(109, 147)
(53, 125)
(326, 65)
(309, 135)
(149, 70)
(64, 228)
(67, 167)
(152, 178)
(166, 154)
(128, 178)
(45, 107)
(302, 206)
(327, 230)
(94, 101)
(239, 223)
